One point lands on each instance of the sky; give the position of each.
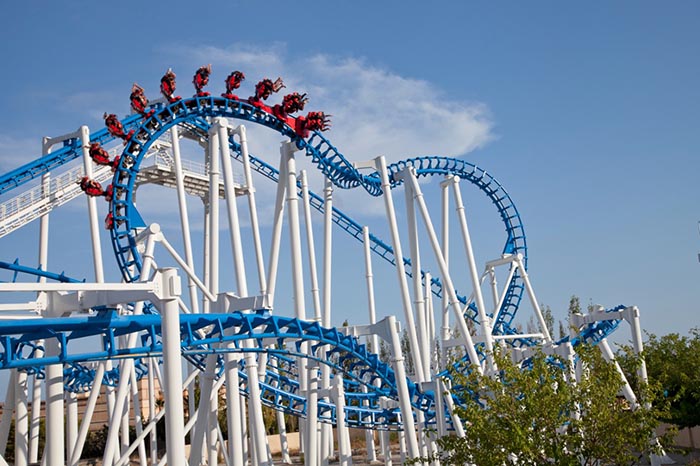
(586, 112)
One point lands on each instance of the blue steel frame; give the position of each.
(279, 391)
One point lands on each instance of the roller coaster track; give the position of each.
(203, 334)
(328, 160)
(279, 391)
(32, 204)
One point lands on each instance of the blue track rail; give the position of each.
(37, 272)
(203, 334)
(330, 162)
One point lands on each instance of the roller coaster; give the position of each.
(235, 350)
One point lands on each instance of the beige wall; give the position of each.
(685, 438)
(100, 415)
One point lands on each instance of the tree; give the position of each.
(673, 361)
(536, 416)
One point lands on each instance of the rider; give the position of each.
(109, 221)
(115, 128)
(201, 79)
(167, 86)
(233, 81)
(314, 121)
(109, 193)
(98, 154)
(138, 99)
(91, 187)
(291, 103)
(264, 89)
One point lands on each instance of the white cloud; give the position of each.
(374, 110)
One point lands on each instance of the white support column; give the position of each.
(124, 433)
(254, 224)
(610, 357)
(638, 344)
(232, 207)
(326, 428)
(319, 314)
(127, 365)
(310, 247)
(311, 453)
(384, 442)
(152, 410)
(87, 416)
(403, 454)
(327, 250)
(373, 339)
(494, 289)
(201, 426)
(95, 223)
(344, 447)
(206, 267)
(258, 435)
(212, 437)
(7, 409)
(21, 420)
(214, 173)
(500, 299)
(277, 221)
(284, 444)
(456, 421)
(632, 316)
(174, 410)
(233, 415)
(35, 420)
(417, 279)
(402, 388)
(292, 198)
(440, 407)
(473, 274)
(138, 419)
(430, 321)
(44, 227)
(211, 282)
(55, 440)
(448, 286)
(400, 268)
(234, 227)
(244, 431)
(184, 219)
(533, 299)
(71, 423)
(92, 208)
(288, 149)
(445, 325)
(34, 423)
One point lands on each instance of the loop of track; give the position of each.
(279, 391)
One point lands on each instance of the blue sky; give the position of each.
(587, 113)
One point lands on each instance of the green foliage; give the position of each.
(9, 453)
(536, 416)
(574, 305)
(672, 361)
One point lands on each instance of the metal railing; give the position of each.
(35, 202)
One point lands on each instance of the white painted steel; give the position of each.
(473, 274)
(448, 287)
(417, 280)
(172, 368)
(400, 268)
